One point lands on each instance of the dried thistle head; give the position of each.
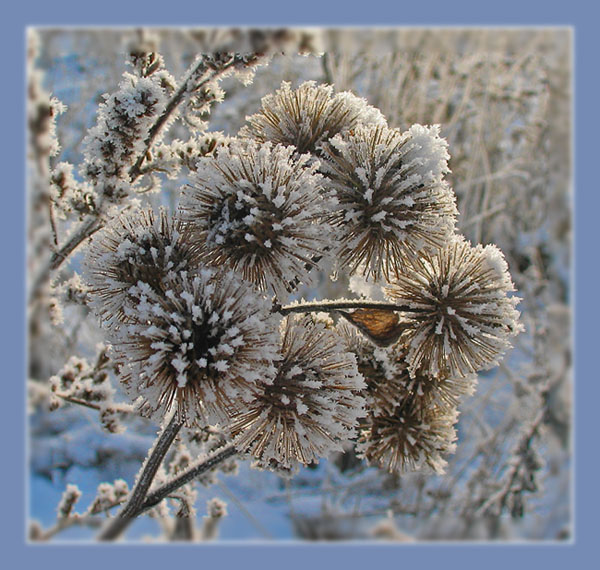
(142, 247)
(384, 389)
(258, 210)
(198, 348)
(388, 382)
(461, 316)
(307, 116)
(393, 201)
(312, 404)
(409, 438)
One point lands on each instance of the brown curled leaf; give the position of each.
(381, 326)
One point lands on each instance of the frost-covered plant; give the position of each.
(199, 346)
(312, 404)
(113, 145)
(307, 116)
(459, 314)
(199, 304)
(409, 438)
(389, 383)
(393, 199)
(139, 248)
(69, 196)
(259, 210)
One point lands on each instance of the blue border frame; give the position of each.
(576, 13)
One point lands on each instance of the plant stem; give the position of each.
(132, 508)
(206, 75)
(87, 228)
(195, 471)
(78, 520)
(329, 306)
(122, 408)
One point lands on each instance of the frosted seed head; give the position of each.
(410, 438)
(310, 408)
(274, 239)
(392, 199)
(307, 116)
(185, 360)
(463, 317)
(135, 252)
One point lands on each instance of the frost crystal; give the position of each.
(119, 136)
(312, 405)
(389, 384)
(409, 438)
(307, 116)
(138, 248)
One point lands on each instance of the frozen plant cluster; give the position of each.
(198, 291)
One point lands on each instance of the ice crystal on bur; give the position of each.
(461, 316)
(140, 247)
(393, 201)
(307, 116)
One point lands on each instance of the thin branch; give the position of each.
(195, 471)
(124, 518)
(329, 306)
(91, 520)
(253, 520)
(52, 221)
(501, 496)
(121, 408)
(210, 74)
(93, 222)
(87, 228)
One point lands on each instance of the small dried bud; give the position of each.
(110, 421)
(70, 496)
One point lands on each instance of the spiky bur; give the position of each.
(410, 420)
(307, 116)
(388, 382)
(393, 201)
(310, 407)
(141, 247)
(258, 210)
(461, 316)
(199, 347)
(409, 438)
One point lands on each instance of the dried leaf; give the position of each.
(382, 326)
